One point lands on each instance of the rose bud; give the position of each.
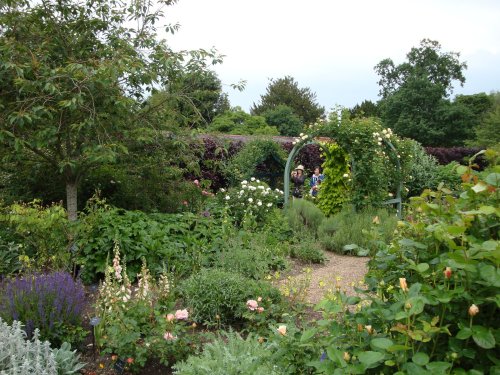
(473, 310)
(447, 272)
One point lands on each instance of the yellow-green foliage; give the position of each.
(334, 190)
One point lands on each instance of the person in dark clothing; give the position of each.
(298, 179)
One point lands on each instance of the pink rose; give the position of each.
(181, 314)
(260, 310)
(170, 317)
(185, 203)
(196, 182)
(168, 336)
(252, 304)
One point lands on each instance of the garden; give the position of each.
(147, 227)
(223, 284)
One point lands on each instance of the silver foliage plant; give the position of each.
(20, 356)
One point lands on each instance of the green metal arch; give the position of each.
(298, 147)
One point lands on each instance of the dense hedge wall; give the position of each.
(446, 155)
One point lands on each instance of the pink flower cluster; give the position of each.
(253, 305)
(179, 315)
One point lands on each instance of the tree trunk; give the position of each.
(71, 200)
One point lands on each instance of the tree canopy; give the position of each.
(73, 75)
(414, 96)
(286, 91)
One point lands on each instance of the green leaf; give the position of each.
(490, 274)
(483, 337)
(455, 229)
(479, 187)
(438, 367)
(369, 357)
(307, 335)
(493, 179)
(487, 210)
(381, 343)
(422, 267)
(464, 333)
(414, 369)
(420, 359)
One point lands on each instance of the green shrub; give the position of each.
(431, 306)
(9, 258)
(253, 154)
(176, 241)
(357, 232)
(43, 232)
(230, 354)
(304, 216)
(218, 297)
(308, 252)
(251, 254)
(447, 174)
(334, 190)
(422, 170)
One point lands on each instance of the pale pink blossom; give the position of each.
(260, 309)
(181, 314)
(168, 336)
(252, 304)
(170, 317)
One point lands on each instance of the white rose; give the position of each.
(252, 179)
(250, 200)
(301, 134)
(259, 203)
(228, 197)
(345, 175)
(260, 187)
(244, 182)
(241, 192)
(379, 139)
(222, 190)
(269, 204)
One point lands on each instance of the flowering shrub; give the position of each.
(432, 301)
(52, 303)
(135, 325)
(218, 297)
(249, 204)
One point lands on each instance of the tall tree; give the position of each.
(283, 118)
(193, 98)
(366, 109)
(72, 76)
(488, 131)
(286, 91)
(414, 96)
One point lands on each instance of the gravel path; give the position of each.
(342, 270)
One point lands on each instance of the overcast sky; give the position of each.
(332, 46)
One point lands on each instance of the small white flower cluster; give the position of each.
(386, 133)
(252, 198)
(302, 137)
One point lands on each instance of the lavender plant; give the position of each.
(19, 356)
(53, 303)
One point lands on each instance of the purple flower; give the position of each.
(50, 302)
(205, 214)
(95, 321)
(323, 357)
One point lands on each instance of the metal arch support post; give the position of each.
(288, 166)
(397, 200)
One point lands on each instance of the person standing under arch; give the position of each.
(316, 180)
(298, 179)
